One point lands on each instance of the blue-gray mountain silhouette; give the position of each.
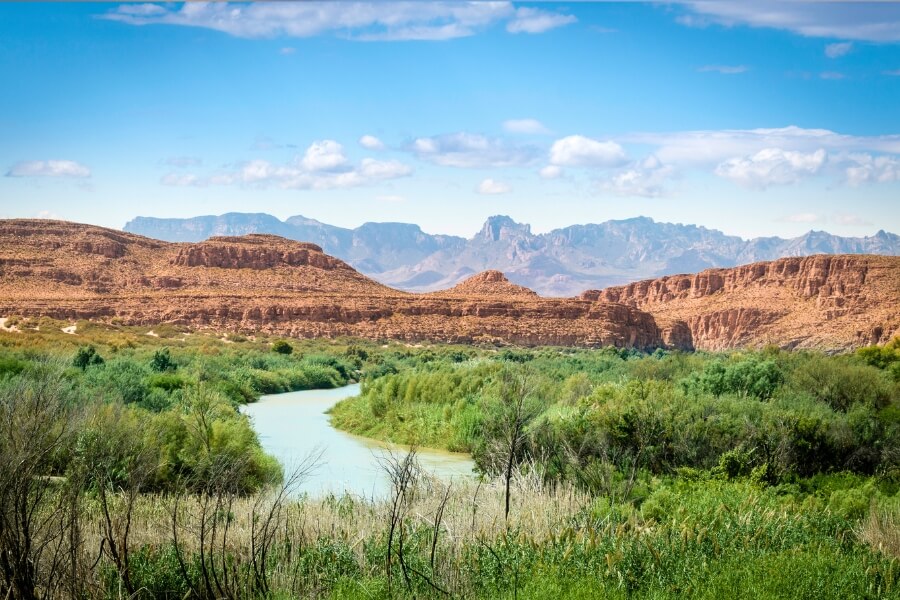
(562, 262)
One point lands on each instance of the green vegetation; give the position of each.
(127, 471)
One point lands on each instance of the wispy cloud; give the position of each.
(364, 21)
(323, 166)
(838, 50)
(48, 168)
(180, 179)
(471, 150)
(551, 172)
(534, 20)
(646, 178)
(724, 69)
(492, 186)
(851, 220)
(832, 75)
(710, 147)
(525, 126)
(803, 218)
(864, 21)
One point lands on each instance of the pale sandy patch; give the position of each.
(11, 328)
(71, 329)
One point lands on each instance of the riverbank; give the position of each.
(295, 425)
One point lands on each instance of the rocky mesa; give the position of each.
(261, 282)
(268, 283)
(831, 302)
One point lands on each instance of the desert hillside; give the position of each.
(271, 284)
(268, 283)
(827, 302)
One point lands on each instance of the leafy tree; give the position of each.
(87, 356)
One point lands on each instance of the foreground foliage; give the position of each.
(128, 471)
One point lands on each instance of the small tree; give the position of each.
(162, 361)
(87, 356)
(506, 426)
(282, 347)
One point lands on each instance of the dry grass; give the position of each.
(474, 511)
(881, 530)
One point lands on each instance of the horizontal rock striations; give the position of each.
(268, 283)
(828, 302)
(271, 284)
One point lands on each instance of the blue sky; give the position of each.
(753, 118)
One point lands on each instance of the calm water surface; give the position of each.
(292, 425)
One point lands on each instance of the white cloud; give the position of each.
(287, 50)
(370, 142)
(324, 155)
(581, 151)
(803, 218)
(551, 172)
(724, 69)
(710, 147)
(364, 21)
(866, 168)
(645, 178)
(839, 49)
(491, 186)
(833, 75)
(323, 166)
(865, 21)
(48, 168)
(525, 126)
(894, 73)
(48, 214)
(771, 166)
(471, 150)
(533, 20)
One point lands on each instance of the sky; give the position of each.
(755, 118)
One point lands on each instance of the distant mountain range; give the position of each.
(562, 262)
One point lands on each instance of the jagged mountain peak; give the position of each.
(562, 262)
(501, 227)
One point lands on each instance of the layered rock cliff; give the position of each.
(829, 302)
(271, 284)
(267, 283)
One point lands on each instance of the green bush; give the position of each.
(282, 347)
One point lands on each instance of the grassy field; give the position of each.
(129, 473)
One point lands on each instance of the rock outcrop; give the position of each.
(271, 284)
(826, 301)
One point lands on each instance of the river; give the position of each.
(292, 425)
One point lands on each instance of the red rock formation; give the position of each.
(267, 283)
(488, 283)
(824, 301)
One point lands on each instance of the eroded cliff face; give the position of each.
(266, 283)
(831, 302)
